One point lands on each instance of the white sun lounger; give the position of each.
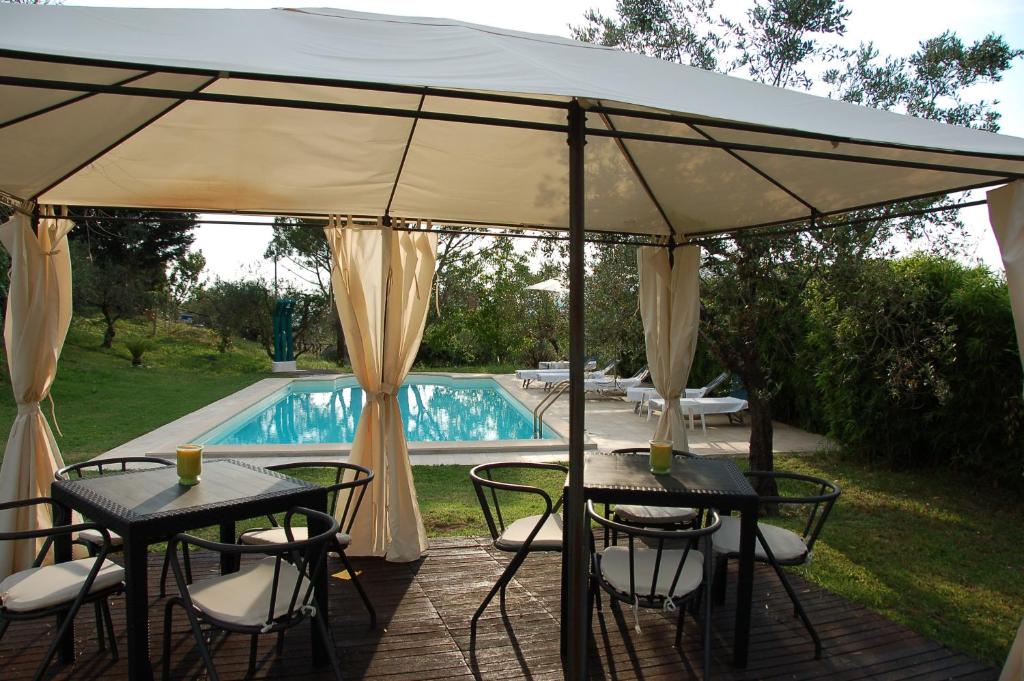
(700, 406)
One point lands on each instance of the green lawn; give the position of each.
(930, 550)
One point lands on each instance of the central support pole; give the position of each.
(576, 551)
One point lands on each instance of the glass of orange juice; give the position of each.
(661, 457)
(190, 464)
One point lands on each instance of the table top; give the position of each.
(154, 494)
(629, 475)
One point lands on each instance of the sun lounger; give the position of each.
(527, 376)
(700, 406)
(640, 396)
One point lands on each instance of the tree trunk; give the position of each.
(761, 456)
(108, 335)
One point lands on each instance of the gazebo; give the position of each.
(392, 129)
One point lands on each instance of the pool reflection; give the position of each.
(431, 413)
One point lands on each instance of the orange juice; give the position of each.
(661, 457)
(190, 464)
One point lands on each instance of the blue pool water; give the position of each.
(434, 409)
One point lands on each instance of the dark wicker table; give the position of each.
(147, 506)
(693, 482)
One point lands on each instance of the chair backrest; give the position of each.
(610, 366)
(714, 384)
(305, 555)
(818, 502)
(345, 482)
(642, 374)
(487, 488)
(644, 589)
(118, 464)
(48, 534)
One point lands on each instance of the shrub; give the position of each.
(917, 365)
(138, 347)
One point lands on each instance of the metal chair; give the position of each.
(359, 477)
(60, 589)
(661, 517)
(776, 545)
(542, 532)
(667, 571)
(91, 539)
(264, 597)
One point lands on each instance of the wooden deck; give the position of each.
(423, 633)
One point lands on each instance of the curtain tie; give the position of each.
(384, 391)
(28, 408)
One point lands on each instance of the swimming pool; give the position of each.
(434, 409)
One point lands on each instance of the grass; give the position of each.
(926, 549)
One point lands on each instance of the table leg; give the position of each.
(744, 586)
(228, 562)
(319, 651)
(136, 596)
(62, 554)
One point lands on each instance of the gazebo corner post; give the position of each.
(576, 549)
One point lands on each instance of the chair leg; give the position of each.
(100, 625)
(359, 589)
(679, 626)
(504, 579)
(280, 643)
(720, 579)
(799, 608)
(110, 630)
(187, 562)
(332, 655)
(168, 616)
(253, 640)
(204, 649)
(69, 619)
(4, 623)
(163, 571)
(706, 635)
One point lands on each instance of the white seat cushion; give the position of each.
(277, 535)
(96, 537)
(655, 515)
(50, 585)
(243, 597)
(615, 570)
(549, 537)
(785, 545)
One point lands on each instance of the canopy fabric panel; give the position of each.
(1006, 214)
(325, 110)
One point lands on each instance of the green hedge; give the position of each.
(915, 364)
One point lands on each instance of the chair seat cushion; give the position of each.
(548, 538)
(50, 585)
(785, 545)
(96, 537)
(615, 570)
(243, 597)
(655, 515)
(277, 535)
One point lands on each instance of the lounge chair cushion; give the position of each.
(50, 585)
(615, 570)
(243, 597)
(655, 515)
(549, 536)
(785, 545)
(277, 535)
(96, 537)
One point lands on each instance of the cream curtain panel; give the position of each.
(381, 280)
(670, 309)
(1006, 213)
(38, 315)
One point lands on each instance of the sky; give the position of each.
(895, 26)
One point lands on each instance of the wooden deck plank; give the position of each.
(424, 610)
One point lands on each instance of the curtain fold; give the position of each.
(670, 309)
(1006, 214)
(38, 316)
(382, 282)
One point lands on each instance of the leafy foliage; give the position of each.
(917, 366)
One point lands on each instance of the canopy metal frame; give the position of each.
(576, 132)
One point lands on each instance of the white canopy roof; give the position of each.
(552, 285)
(259, 110)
